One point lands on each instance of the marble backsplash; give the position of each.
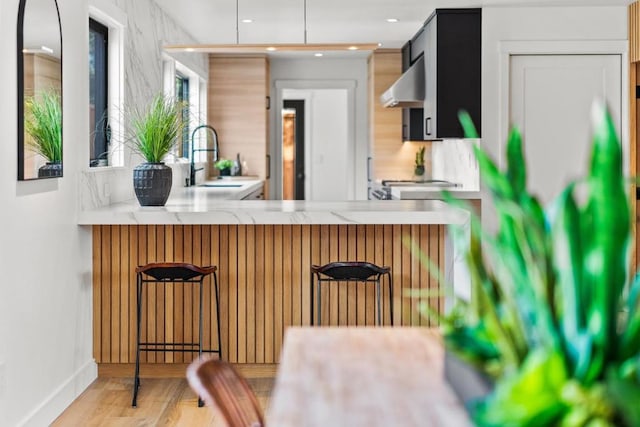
(453, 160)
(148, 29)
(97, 188)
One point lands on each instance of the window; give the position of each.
(182, 95)
(99, 131)
(186, 84)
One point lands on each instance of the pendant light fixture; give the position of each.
(237, 21)
(305, 21)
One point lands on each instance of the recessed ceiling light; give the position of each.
(318, 54)
(379, 44)
(47, 49)
(247, 21)
(271, 48)
(189, 49)
(392, 20)
(353, 48)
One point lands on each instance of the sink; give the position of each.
(220, 185)
(237, 178)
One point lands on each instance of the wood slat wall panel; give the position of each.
(263, 273)
(260, 293)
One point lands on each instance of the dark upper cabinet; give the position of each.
(412, 129)
(452, 51)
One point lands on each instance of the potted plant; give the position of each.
(224, 166)
(43, 124)
(553, 322)
(419, 163)
(153, 134)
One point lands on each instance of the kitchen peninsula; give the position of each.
(263, 251)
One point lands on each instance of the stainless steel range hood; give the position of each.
(408, 90)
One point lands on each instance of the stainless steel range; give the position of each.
(383, 190)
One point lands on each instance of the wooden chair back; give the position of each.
(225, 390)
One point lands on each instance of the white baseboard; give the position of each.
(51, 407)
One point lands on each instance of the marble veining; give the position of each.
(453, 159)
(148, 28)
(200, 205)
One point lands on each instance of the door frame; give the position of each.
(299, 105)
(276, 148)
(571, 47)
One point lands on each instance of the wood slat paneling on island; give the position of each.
(264, 278)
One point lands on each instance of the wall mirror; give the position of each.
(39, 90)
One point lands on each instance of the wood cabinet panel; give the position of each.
(264, 277)
(238, 88)
(392, 158)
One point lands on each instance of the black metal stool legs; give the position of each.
(390, 298)
(215, 281)
(319, 296)
(136, 377)
(378, 298)
(200, 401)
(311, 298)
(359, 272)
(189, 275)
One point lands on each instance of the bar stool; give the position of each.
(173, 272)
(351, 272)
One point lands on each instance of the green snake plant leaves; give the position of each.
(554, 321)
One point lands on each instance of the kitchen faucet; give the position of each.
(193, 170)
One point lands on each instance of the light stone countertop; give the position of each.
(431, 193)
(201, 205)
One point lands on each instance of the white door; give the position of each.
(329, 169)
(550, 102)
(328, 145)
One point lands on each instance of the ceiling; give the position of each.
(327, 21)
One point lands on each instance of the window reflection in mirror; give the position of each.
(39, 90)
(182, 96)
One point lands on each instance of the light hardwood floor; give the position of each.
(161, 402)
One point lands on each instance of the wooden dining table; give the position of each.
(364, 376)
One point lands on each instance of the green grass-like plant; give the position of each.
(154, 130)
(223, 164)
(552, 320)
(43, 123)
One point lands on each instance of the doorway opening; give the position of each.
(293, 168)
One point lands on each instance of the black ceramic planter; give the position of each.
(50, 170)
(152, 183)
(225, 172)
(469, 384)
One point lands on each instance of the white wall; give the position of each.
(45, 258)
(324, 69)
(501, 24)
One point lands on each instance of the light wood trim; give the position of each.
(263, 273)
(178, 370)
(634, 32)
